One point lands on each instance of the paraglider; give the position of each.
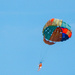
(55, 30)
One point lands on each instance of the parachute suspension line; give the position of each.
(43, 57)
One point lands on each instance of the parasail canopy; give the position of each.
(56, 30)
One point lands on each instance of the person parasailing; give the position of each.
(40, 66)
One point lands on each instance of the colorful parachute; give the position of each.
(56, 30)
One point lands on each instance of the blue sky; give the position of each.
(21, 40)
